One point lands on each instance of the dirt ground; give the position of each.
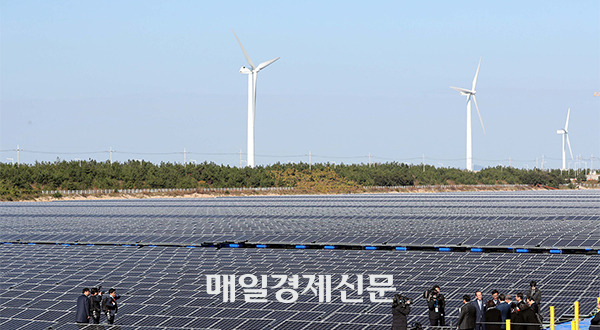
(115, 196)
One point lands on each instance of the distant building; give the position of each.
(592, 176)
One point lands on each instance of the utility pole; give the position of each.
(369, 159)
(536, 163)
(18, 158)
(184, 157)
(309, 161)
(423, 162)
(110, 151)
(542, 162)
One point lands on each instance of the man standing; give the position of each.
(528, 318)
(595, 323)
(536, 310)
(534, 293)
(493, 317)
(519, 298)
(504, 308)
(466, 320)
(95, 301)
(495, 298)
(109, 305)
(82, 315)
(480, 308)
(436, 304)
(400, 311)
(516, 318)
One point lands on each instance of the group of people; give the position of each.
(93, 303)
(524, 313)
(477, 314)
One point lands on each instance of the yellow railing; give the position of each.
(576, 315)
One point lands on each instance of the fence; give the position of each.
(250, 189)
(159, 190)
(442, 186)
(590, 185)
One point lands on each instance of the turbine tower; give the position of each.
(252, 73)
(470, 94)
(565, 133)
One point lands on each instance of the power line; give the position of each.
(310, 155)
(59, 152)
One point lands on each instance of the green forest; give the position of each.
(28, 180)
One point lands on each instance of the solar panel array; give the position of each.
(515, 219)
(165, 287)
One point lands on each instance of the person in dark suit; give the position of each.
(532, 304)
(493, 317)
(534, 293)
(437, 305)
(528, 317)
(496, 297)
(516, 318)
(82, 314)
(595, 322)
(480, 308)
(400, 311)
(504, 308)
(520, 298)
(109, 304)
(466, 320)
(95, 302)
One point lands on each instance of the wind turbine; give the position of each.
(252, 73)
(470, 94)
(565, 133)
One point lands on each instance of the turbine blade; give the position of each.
(476, 74)
(458, 89)
(265, 64)
(567, 123)
(569, 143)
(479, 113)
(243, 50)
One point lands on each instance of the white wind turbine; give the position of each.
(565, 133)
(252, 75)
(470, 94)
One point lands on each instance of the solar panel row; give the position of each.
(165, 287)
(518, 219)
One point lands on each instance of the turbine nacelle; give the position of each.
(561, 131)
(464, 91)
(245, 70)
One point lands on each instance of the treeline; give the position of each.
(21, 181)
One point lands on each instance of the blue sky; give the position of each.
(150, 78)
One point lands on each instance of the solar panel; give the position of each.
(164, 287)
